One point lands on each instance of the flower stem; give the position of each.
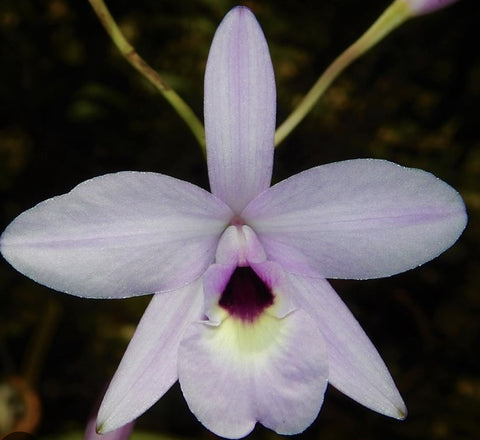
(131, 55)
(40, 343)
(396, 14)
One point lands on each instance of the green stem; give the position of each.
(397, 13)
(130, 54)
(40, 343)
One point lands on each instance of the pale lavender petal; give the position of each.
(356, 368)
(273, 372)
(420, 7)
(122, 433)
(215, 280)
(357, 219)
(149, 366)
(118, 235)
(240, 107)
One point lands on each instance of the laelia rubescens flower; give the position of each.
(242, 313)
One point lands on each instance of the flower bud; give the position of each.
(420, 7)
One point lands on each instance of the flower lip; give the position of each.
(246, 295)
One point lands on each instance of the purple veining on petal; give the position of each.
(246, 296)
(240, 108)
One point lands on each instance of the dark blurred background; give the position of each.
(71, 108)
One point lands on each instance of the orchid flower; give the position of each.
(242, 313)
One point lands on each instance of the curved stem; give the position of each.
(40, 343)
(131, 55)
(397, 13)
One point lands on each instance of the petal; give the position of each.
(273, 371)
(356, 368)
(118, 235)
(240, 107)
(149, 366)
(215, 280)
(122, 433)
(357, 219)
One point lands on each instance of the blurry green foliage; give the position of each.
(71, 108)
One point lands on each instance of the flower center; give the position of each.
(246, 296)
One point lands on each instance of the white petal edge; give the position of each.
(240, 107)
(356, 368)
(357, 219)
(118, 235)
(149, 366)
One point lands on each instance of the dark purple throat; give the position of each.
(246, 296)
